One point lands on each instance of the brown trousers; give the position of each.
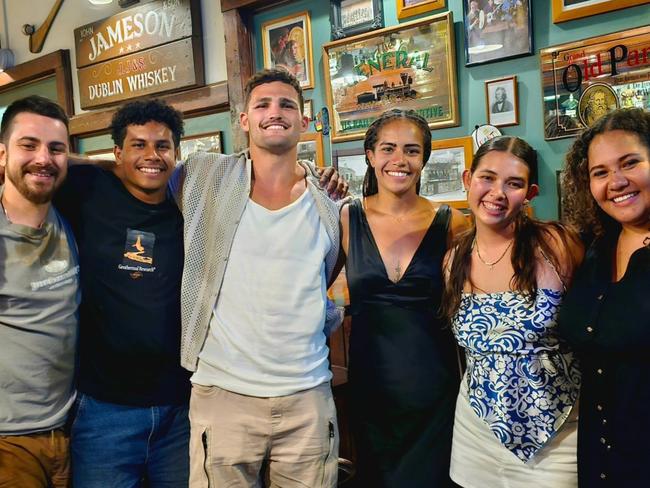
(233, 435)
(38, 460)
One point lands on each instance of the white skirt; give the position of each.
(479, 460)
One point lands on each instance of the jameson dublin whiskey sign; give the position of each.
(582, 81)
(152, 48)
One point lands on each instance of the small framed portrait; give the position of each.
(309, 109)
(564, 10)
(351, 165)
(286, 43)
(501, 102)
(597, 99)
(442, 176)
(497, 30)
(409, 8)
(210, 142)
(310, 148)
(351, 17)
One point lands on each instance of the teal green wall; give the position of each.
(471, 94)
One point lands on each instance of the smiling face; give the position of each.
(497, 188)
(146, 160)
(35, 157)
(273, 118)
(619, 177)
(397, 157)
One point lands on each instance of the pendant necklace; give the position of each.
(493, 263)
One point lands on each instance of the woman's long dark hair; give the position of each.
(369, 143)
(530, 235)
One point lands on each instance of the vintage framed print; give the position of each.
(310, 148)
(351, 17)
(409, 8)
(210, 142)
(309, 109)
(351, 165)
(564, 10)
(442, 176)
(286, 43)
(501, 101)
(618, 60)
(497, 31)
(408, 66)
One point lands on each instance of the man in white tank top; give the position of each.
(261, 393)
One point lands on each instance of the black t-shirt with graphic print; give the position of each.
(131, 258)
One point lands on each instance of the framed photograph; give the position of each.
(210, 142)
(442, 176)
(564, 10)
(351, 17)
(351, 165)
(286, 43)
(501, 101)
(409, 8)
(409, 66)
(309, 109)
(495, 31)
(584, 79)
(310, 148)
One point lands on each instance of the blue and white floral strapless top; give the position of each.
(522, 380)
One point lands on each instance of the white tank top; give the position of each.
(266, 333)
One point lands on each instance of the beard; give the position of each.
(35, 192)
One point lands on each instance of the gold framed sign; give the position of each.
(617, 64)
(410, 66)
(564, 10)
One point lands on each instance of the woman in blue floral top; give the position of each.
(515, 423)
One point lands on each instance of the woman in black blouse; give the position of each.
(606, 314)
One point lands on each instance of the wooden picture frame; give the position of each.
(211, 142)
(578, 9)
(442, 176)
(286, 43)
(410, 8)
(351, 165)
(502, 101)
(310, 148)
(409, 66)
(352, 17)
(502, 33)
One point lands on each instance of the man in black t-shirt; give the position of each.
(132, 411)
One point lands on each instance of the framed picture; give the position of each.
(309, 109)
(442, 176)
(409, 8)
(501, 101)
(210, 142)
(564, 10)
(351, 17)
(310, 148)
(495, 31)
(351, 165)
(585, 79)
(409, 66)
(286, 43)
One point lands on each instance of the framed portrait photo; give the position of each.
(286, 43)
(351, 165)
(501, 101)
(442, 176)
(408, 66)
(409, 8)
(351, 17)
(495, 31)
(564, 10)
(310, 148)
(210, 142)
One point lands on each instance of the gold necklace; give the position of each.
(493, 263)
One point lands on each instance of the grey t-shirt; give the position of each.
(39, 296)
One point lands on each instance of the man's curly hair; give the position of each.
(579, 206)
(142, 111)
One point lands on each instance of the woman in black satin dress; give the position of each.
(403, 363)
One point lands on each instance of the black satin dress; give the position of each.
(403, 366)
